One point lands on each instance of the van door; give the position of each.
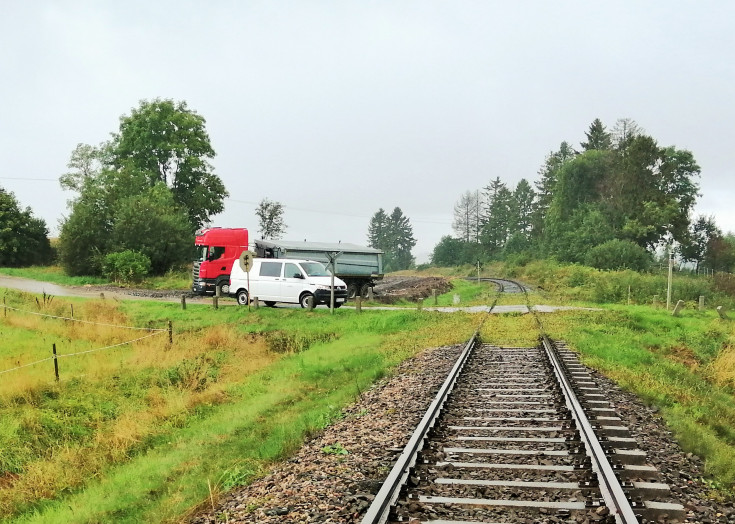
(268, 284)
(293, 284)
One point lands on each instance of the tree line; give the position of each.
(140, 196)
(609, 204)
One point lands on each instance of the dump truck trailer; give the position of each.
(360, 267)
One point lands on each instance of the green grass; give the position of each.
(54, 274)
(151, 429)
(175, 279)
(272, 414)
(668, 362)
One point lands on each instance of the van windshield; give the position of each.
(315, 269)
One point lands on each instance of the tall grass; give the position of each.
(566, 283)
(133, 434)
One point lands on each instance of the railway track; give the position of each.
(502, 285)
(521, 435)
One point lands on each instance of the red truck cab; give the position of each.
(217, 249)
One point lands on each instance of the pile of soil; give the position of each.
(394, 288)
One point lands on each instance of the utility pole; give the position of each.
(671, 274)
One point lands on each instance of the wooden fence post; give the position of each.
(215, 302)
(56, 364)
(358, 304)
(435, 297)
(701, 302)
(183, 301)
(170, 333)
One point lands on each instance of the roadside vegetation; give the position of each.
(149, 431)
(142, 432)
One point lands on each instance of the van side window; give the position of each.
(270, 269)
(292, 271)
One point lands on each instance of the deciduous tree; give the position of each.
(23, 237)
(168, 142)
(270, 219)
(146, 189)
(466, 223)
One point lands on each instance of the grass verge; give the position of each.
(142, 433)
(679, 364)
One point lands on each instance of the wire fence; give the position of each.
(81, 321)
(152, 333)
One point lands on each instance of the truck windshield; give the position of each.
(202, 253)
(315, 269)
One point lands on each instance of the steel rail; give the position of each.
(379, 510)
(610, 488)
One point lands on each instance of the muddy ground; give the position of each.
(394, 288)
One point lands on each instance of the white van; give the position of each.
(285, 280)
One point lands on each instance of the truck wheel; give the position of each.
(224, 288)
(304, 300)
(338, 304)
(351, 290)
(364, 290)
(242, 297)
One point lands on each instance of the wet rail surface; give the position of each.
(522, 435)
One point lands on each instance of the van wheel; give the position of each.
(270, 303)
(242, 297)
(338, 304)
(364, 290)
(351, 290)
(304, 300)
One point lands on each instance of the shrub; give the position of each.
(126, 266)
(618, 254)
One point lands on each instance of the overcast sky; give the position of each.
(339, 108)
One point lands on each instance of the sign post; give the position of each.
(246, 262)
(332, 256)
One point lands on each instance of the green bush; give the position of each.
(126, 266)
(618, 254)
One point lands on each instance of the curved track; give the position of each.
(503, 285)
